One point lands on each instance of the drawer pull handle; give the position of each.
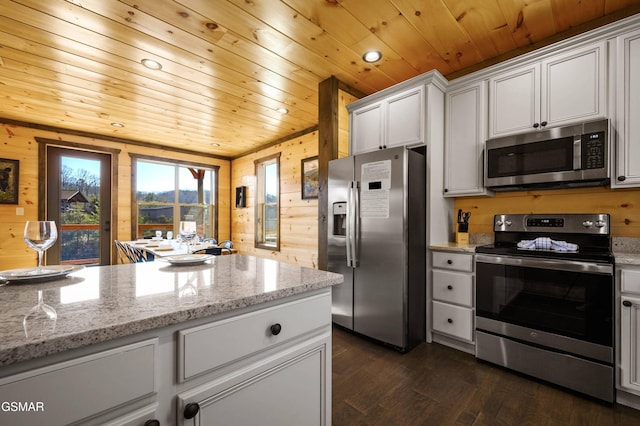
(450, 287)
(627, 304)
(191, 409)
(152, 422)
(449, 261)
(450, 321)
(276, 329)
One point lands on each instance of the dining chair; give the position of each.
(133, 254)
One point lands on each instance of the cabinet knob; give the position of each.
(627, 304)
(379, 146)
(450, 287)
(152, 422)
(450, 321)
(449, 262)
(276, 329)
(544, 123)
(190, 410)
(622, 178)
(536, 125)
(446, 190)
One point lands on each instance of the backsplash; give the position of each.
(622, 204)
(626, 245)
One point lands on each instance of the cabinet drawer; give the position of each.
(205, 348)
(453, 287)
(453, 320)
(454, 261)
(630, 281)
(73, 390)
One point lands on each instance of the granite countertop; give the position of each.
(623, 258)
(454, 247)
(101, 303)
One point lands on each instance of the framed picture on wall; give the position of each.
(9, 172)
(310, 178)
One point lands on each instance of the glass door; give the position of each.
(79, 201)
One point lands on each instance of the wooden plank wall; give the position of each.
(298, 217)
(344, 99)
(623, 205)
(19, 143)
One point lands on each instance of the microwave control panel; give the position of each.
(593, 150)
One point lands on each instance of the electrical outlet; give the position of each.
(19, 211)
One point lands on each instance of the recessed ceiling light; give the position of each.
(116, 124)
(151, 64)
(215, 144)
(283, 110)
(372, 56)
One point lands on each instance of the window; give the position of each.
(166, 193)
(268, 202)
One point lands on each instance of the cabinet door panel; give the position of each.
(466, 134)
(627, 150)
(573, 86)
(405, 122)
(366, 128)
(514, 101)
(286, 389)
(630, 345)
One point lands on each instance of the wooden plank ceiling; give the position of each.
(229, 65)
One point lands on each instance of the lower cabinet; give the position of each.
(629, 336)
(453, 299)
(287, 388)
(270, 365)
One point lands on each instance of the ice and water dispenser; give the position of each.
(340, 218)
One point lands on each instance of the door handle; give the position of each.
(107, 226)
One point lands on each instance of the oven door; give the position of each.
(563, 305)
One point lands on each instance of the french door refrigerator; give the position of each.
(377, 227)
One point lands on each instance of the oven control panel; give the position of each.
(557, 223)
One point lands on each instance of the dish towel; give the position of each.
(546, 243)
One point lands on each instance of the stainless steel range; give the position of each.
(545, 300)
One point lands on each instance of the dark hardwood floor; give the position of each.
(437, 385)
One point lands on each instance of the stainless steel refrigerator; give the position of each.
(377, 226)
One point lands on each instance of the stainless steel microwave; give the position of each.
(569, 156)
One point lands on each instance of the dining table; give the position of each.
(164, 248)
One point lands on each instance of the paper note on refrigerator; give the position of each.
(374, 189)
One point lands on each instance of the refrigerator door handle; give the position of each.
(355, 224)
(349, 223)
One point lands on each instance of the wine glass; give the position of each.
(187, 232)
(40, 235)
(40, 321)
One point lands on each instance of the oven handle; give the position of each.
(557, 265)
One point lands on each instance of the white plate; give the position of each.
(186, 259)
(47, 273)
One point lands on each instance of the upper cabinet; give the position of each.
(465, 134)
(396, 120)
(627, 148)
(564, 88)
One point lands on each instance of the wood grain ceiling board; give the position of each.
(228, 65)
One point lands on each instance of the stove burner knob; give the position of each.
(600, 224)
(499, 223)
(507, 222)
(587, 224)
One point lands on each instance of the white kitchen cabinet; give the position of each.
(627, 148)
(453, 299)
(367, 128)
(286, 388)
(396, 120)
(82, 388)
(629, 337)
(565, 88)
(465, 135)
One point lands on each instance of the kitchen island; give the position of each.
(235, 338)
